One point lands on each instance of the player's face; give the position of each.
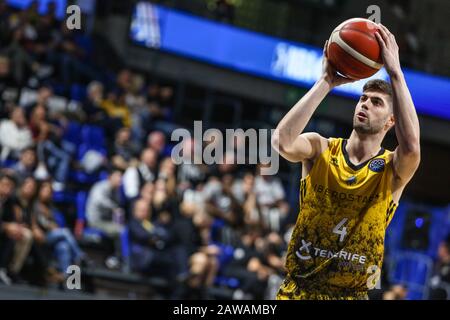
(373, 113)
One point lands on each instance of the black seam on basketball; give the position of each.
(370, 67)
(357, 30)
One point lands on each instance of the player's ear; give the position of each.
(390, 122)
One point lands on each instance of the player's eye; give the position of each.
(376, 102)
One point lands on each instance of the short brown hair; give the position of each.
(378, 85)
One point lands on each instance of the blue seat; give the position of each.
(59, 218)
(225, 257)
(64, 196)
(58, 88)
(81, 200)
(8, 163)
(217, 225)
(73, 133)
(125, 249)
(78, 92)
(93, 136)
(229, 282)
(413, 270)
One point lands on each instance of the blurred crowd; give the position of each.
(69, 128)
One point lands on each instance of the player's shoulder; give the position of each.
(388, 154)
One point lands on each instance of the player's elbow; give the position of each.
(275, 140)
(284, 150)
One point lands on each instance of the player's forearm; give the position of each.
(406, 121)
(295, 121)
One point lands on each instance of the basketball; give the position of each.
(353, 49)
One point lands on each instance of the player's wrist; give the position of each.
(326, 83)
(395, 74)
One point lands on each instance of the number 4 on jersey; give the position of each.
(341, 232)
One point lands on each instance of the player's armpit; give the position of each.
(306, 146)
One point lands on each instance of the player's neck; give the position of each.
(362, 147)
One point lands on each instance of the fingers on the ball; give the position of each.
(383, 35)
(387, 32)
(384, 28)
(380, 39)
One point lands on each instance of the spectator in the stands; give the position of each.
(192, 172)
(48, 22)
(203, 268)
(137, 103)
(135, 177)
(244, 191)
(124, 152)
(95, 114)
(71, 58)
(247, 266)
(166, 172)
(163, 213)
(60, 240)
(26, 196)
(222, 205)
(103, 209)
(165, 207)
(15, 237)
(92, 104)
(123, 82)
(44, 94)
(32, 12)
(7, 79)
(270, 197)
(153, 90)
(227, 166)
(162, 111)
(27, 164)
(440, 282)
(22, 54)
(57, 157)
(115, 107)
(157, 141)
(14, 135)
(38, 118)
(395, 292)
(148, 243)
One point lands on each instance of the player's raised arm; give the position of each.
(407, 154)
(288, 139)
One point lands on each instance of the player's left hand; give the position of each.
(389, 50)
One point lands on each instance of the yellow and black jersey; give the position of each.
(337, 244)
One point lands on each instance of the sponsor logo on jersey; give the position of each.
(351, 181)
(322, 191)
(377, 165)
(307, 252)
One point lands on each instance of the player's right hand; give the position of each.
(330, 74)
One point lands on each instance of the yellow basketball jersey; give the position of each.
(338, 239)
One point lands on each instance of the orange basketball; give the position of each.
(353, 49)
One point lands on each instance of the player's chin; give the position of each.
(361, 127)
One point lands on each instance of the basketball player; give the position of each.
(350, 188)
